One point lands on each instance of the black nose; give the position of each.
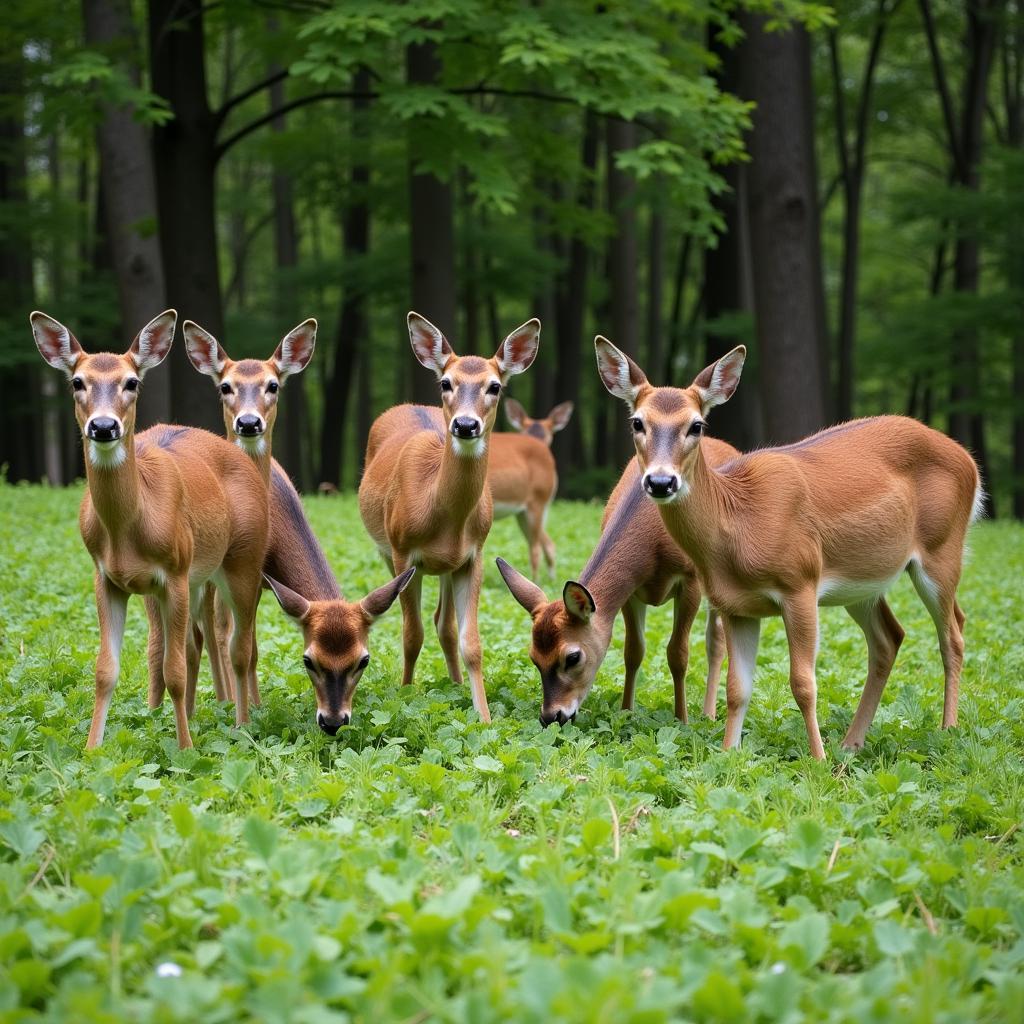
(103, 428)
(248, 425)
(550, 717)
(328, 727)
(661, 486)
(466, 426)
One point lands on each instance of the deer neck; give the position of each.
(460, 480)
(114, 484)
(260, 450)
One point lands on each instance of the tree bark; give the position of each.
(431, 229)
(184, 159)
(126, 167)
(785, 243)
(351, 342)
(655, 323)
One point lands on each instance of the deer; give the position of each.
(163, 514)
(248, 390)
(636, 564)
(524, 478)
(424, 497)
(335, 631)
(834, 519)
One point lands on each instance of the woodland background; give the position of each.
(837, 187)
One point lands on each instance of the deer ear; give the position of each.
(376, 604)
(153, 342)
(578, 601)
(294, 352)
(519, 349)
(56, 344)
(516, 414)
(619, 374)
(294, 605)
(560, 416)
(204, 351)
(528, 594)
(428, 343)
(716, 383)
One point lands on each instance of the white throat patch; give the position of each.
(469, 447)
(254, 446)
(107, 454)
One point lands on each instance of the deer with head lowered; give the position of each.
(164, 513)
(635, 564)
(335, 631)
(834, 519)
(523, 477)
(424, 497)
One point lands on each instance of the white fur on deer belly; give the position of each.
(501, 509)
(838, 592)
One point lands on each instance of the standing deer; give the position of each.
(335, 631)
(248, 391)
(635, 564)
(424, 497)
(524, 478)
(834, 519)
(163, 514)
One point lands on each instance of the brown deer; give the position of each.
(635, 564)
(424, 497)
(335, 631)
(163, 514)
(523, 476)
(834, 519)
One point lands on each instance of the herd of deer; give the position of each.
(199, 525)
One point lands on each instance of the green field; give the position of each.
(425, 867)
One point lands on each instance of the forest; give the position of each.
(835, 186)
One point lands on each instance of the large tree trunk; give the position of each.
(351, 342)
(126, 167)
(572, 304)
(785, 244)
(431, 229)
(543, 306)
(654, 332)
(184, 159)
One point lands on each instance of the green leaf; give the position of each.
(21, 836)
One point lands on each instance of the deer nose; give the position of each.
(550, 717)
(466, 427)
(248, 425)
(332, 725)
(103, 428)
(661, 485)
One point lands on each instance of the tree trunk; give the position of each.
(572, 299)
(543, 306)
(431, 229)
(785, 245)
(184, 159)
(351, 343)
(126, 167)
(655, 324)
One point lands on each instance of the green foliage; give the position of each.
(426, 866)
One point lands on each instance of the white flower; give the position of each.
(168, 969)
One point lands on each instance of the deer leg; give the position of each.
(547, 543)
(466, 582)
(217, 629)
(176, 623)
(937, 590)
(243, 594)
(111, 608)
(528, 525)
(800, 614)
(155, 653)
(448, 628)
(741, 639)
(193, 656)
(884, 635)
(714, 644)
(634, 614)
(685, 606)
(412, 622)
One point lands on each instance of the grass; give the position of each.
(426, 867)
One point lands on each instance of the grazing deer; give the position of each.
(248, 392)
(635, 564)
(524, 478)
(424, 497)
(163, 514)
(834, 519)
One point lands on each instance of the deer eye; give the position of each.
(225, 388)
(363, 662)
(638, 425)
(446, 384)
(494, 388)
(308, 662)
(272, 387)
(77, 384)
(131, 384)
(572, 659)
(696, 428)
